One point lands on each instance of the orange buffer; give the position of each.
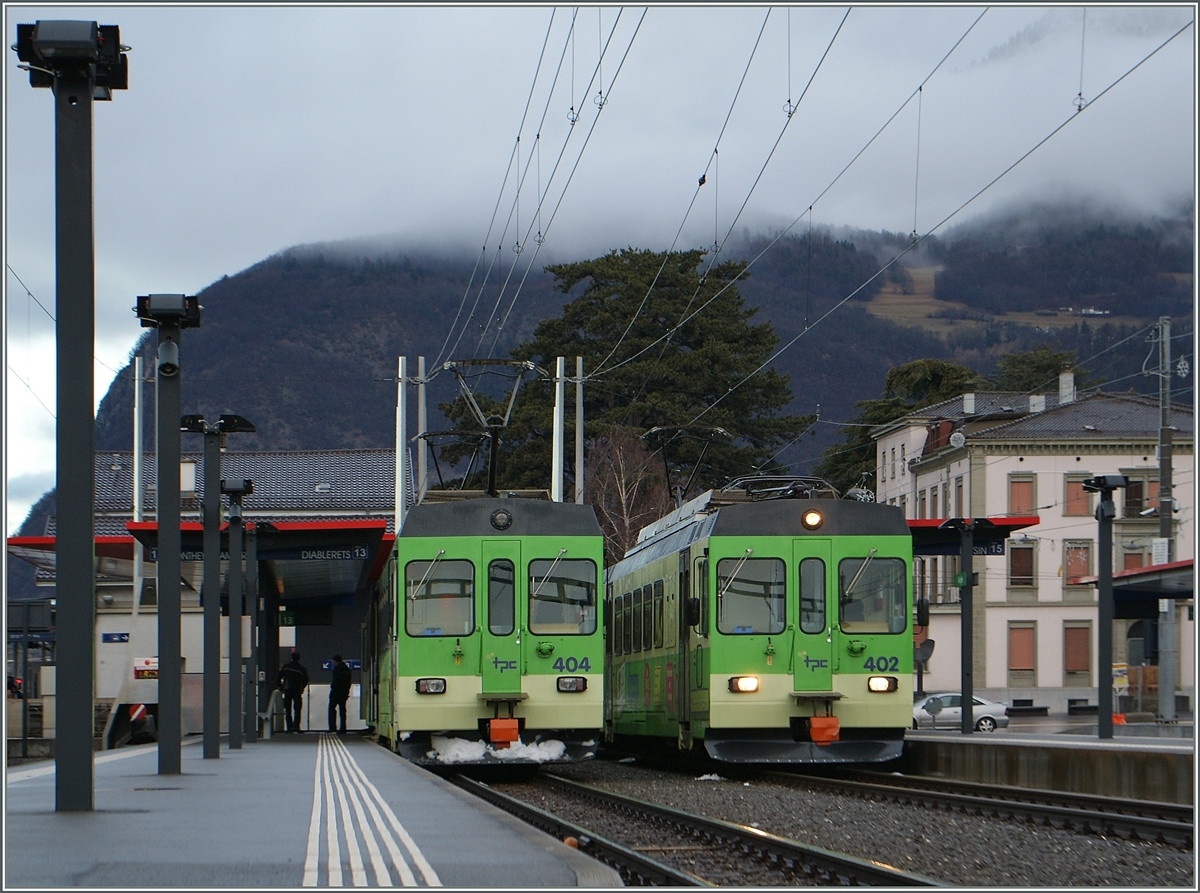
(823, 729)
(502, 732)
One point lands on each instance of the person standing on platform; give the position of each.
(293, 679)
(339, 693)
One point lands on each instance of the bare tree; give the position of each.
(625, 487)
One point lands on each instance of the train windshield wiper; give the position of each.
(550, 570)
(857, 574)
(429, 570)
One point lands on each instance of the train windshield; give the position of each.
(562, 596)
(872, 595)
(751, 595)
(439, 598)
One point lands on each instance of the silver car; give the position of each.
(944, 711)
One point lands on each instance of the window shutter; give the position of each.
(1020, 648)
(1076, 649)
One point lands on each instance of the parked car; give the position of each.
(944, 711)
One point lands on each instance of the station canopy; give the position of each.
(943, 536)
(307, 563)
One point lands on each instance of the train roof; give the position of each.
(501, 517)
(713, 515)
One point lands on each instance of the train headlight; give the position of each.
(812, 519)
(431, 686)
(572, 683)
(743, 684)
(882, 683)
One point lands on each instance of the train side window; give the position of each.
(658, 614)
(618, 625)
(626, 612)
(647, 618)
(501, 581)
(562, 596)
(812, 595)
(439, 598)
(637, 620)
(751, 595)
(702, 594)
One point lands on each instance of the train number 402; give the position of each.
(572, 665)
(882, 664)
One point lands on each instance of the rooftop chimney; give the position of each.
(1066, 387)
(1037, 402)
(968, 404)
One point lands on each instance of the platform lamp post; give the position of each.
(170, 314)
(235, 489)
(214, 439)
(1104, 484)
(80, 62)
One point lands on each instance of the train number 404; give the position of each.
(882, 664)
(572, 665)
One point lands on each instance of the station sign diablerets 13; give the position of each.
(356, 552)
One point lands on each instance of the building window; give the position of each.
(903, 460)
(1076, 500)
(1141, 493)
(1077, 560)
(1134, 560)
(921, 504)
(1077, 654)
(904, 505)
(1020, 494)
(958, 498)
(1020, 565)
(1022, 652)
(893, 463)
(945, 500)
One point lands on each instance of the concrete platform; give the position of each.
(297, 810)
(1139, 763)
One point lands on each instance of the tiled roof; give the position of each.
(1098, 416)
(987, 403)
(307, 481)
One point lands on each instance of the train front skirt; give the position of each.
(781, 746)
(462, 749)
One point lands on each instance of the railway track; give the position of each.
(1168, 823)
(651, 845)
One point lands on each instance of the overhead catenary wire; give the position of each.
(541, 123)
(571, 175)
(500, 196)
(823, 192)
(944, 220)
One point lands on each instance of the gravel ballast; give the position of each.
(950, 847)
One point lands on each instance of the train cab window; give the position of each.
(658, 614)
(872, 595)
(627, 641)
(751, 595)
(812, 596)
(439, 598)
(562, 596)
(501, 580)
(637, 620)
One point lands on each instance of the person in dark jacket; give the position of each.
(293, 679)
(339, 692)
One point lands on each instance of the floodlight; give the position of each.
(157, 310)
(1105, 482)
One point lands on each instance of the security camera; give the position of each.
(1105, 482)
(168, 359)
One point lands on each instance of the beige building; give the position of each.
(994, 454)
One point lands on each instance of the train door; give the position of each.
(504, 617)
(678, 676)
(812, 654)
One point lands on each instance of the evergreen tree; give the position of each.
(681, 342)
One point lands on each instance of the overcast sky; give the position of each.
(247, 130)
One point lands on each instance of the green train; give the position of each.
(769, 622)
(485, 645)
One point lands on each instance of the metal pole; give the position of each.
(579, 430)
(556, 458)
(251, 721)
(966, 599)
(75, 582)
(422, 427)
(1166, 510)
(401, 432)
(1104, 698)
(211, 592)
(235, 621)
(170, 661)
